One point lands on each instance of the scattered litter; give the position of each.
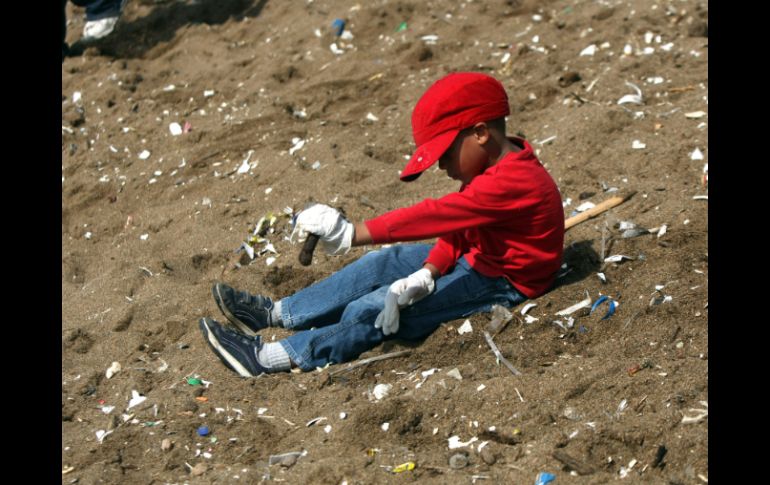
(203, 430)
(112, 370)
(694, 115)
(385, 426)
(245, 165)
(336, 50)
(589, 51)
(700, 197)
(566, 202)
(465, 327)
(343, 415)
(481, 387)
(455, 373)
(194, 381)
(297, 143)
(655, 80)
(601, 300)
(208, 93)
(170, 87)
(454, 442)
(136, 399)
(632, 98)
(381, 390)
(696, 154)
(144, 155)
(577, 306)
(527, 308)
(314, 421)
(338, 26)
(328, 428)
(530, 319)
(107, 409)
(637, 145)
(544, 477)
(77, 96)
(622, 406)
(430, 39)
(401, 26)
(616, 258)
(700, 414)
(175, 129)
(425, 375)
(101, 434)
(662, 230)
(602, 277)
(371, 117)
(273, 459)
(316, 165)
(404, 467)
(585, 206)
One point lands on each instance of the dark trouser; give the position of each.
(99, 9)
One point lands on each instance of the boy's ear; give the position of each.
(481, 132)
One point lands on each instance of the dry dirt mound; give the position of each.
(150, 220)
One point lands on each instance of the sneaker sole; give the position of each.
(242, 327)
(221, 352)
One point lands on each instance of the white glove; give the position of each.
(335, 232)
(401, 294)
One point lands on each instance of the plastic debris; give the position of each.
(385, 426)
(175, 129)
(527, 308)
(577, 306)
(481, 387)
(101, 434)
(144, 155)
(274, 459)
(612, 306)
(343, 415)
(430, 39)
(404, 467)
(637, 145)
(465, 327)
(700, 414)
(589, 51)
(328, 428)
(297, 142)
(371, 117)
(76, 97)
(616, 258)
(455, 373)
(632, 98)
(694, 115)
(136, 399)
(338, 26)
(602, 277)
(315, 420)
(402, 26)
(454, 442)
(696, 154)
(381, 390)
(112, 370)
(203, 430)
(662, 230)
(316, 165)
(208, 93)
(544, 477)
(585, 206)
(194, 381)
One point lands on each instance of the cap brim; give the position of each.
(427, 154)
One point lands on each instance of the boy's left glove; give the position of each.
(334, 231)
(402, 293)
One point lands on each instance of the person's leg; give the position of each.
(458, 294)
(324, 302)
(99, 9)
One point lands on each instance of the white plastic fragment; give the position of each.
(527, 308)
(268, 190)
(371, 117)
(566, 202)
(88, 235)
(385, 426)
(696, 154)
(336, 50)
(628, 50)
(144, 155)
(328, 428)
(454, 442)
(244, 168)
(662, 230)
(667, 47)
(700, 414)
(616, 258)
(481, 387)
(637, 145)
(101, 434)
(700, 197)
(112, 370)
(465, 327)
(170, 87)
(77, 96)
(632, 98)
(655, 80)
(144, 237)
(343, 415)
(694, 115)
(315, 421)
(430, 39)
(602, 277)
(505, 58)
(530, 319)
(297, 143)
(136, 399)
(316, 165)
(381, 390)
(577, 306)
(589, 51)
(270, 260)
(585, 206)
(175, 129)
(648, 37)
(208, 93)
(455, 373)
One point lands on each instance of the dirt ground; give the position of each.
(150, 220)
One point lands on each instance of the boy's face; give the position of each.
(465, 158)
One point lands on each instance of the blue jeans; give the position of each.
(336, 316)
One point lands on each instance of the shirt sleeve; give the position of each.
(446, 252)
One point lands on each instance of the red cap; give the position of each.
(451, 104)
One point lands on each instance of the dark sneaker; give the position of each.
(237, 351)
(249, 313)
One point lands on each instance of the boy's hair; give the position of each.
(451, 104)
(497, 124)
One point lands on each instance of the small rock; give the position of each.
(288, 461)
(199, 469)
(487, 455)
(166, 444)
(458, 460)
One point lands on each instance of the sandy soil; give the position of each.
(144, 237)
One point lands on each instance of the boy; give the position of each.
(499, 241)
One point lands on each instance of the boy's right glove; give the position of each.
(335, 232)
(401, 294)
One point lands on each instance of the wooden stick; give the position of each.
(352, 366)
(499, 355)
(595, 211)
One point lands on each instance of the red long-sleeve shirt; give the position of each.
(508, 221)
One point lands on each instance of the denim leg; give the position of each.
(99, 9)
(458, 294)
(324, 302)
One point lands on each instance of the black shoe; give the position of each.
(249, 313)
(236, 351)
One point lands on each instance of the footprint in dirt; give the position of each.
(78, 341)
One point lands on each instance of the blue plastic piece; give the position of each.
(339, 27)
(598, 302)
(544, 477)
(601, 300)
(203, 430)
